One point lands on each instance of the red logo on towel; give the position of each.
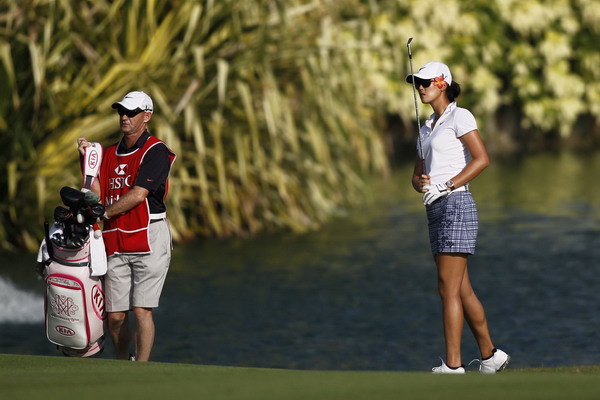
(93, 159)
(63, 330)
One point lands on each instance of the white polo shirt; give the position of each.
(444, 153)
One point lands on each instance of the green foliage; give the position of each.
(261, 110)
(538, 56)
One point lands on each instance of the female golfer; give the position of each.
(453, 155)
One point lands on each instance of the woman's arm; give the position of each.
(479, 158)
(419, 179)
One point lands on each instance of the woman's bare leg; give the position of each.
(475, 316)
(451, 272)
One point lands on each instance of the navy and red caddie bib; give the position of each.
(126, 233)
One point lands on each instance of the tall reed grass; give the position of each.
(266, 113)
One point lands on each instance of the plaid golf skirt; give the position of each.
(453, 223)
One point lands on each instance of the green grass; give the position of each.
(36, 377)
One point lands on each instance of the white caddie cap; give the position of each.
(134, 100)
(432, 70)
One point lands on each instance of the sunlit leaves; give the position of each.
(266, 113)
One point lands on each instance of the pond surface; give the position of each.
(361, 293)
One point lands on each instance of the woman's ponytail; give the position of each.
(453, 91)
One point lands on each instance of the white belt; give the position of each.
(461, 188)
(158, 217)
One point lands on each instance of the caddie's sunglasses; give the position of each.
(423, 82)
(129, 113)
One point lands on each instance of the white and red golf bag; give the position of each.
(74, 259)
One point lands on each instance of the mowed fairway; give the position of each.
(36, 377)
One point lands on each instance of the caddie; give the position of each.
(133, 185)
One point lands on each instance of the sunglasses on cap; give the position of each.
(129, 113)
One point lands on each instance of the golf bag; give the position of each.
(74, 301)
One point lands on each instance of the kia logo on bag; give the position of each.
(98, 301)
(63, 330)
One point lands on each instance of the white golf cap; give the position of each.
(134, 100)
(432, 70)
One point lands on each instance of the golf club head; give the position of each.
(93, 213)
(76, 237)
(62, 215)
(97, 210)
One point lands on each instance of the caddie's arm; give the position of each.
(95, 187)
(134, 197)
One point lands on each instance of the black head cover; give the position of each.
(72, 198)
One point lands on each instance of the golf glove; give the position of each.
(435, 192)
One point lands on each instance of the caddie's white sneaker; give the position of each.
(494, 363)
(444, 369)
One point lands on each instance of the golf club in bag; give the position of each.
(71, 260)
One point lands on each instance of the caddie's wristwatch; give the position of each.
(450, 184)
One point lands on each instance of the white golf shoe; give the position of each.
(494, 363)
(444, 369)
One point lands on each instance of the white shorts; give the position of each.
(135, 280)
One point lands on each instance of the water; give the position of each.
(361, 293)
(19, 306)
